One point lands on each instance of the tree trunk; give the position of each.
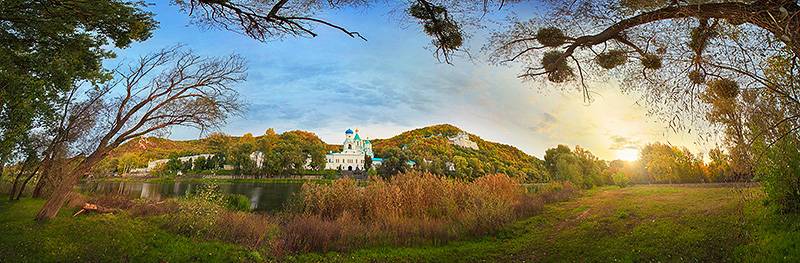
(59, 195)
(14, 186)
(22, 187)
(44, 180)
(2, 167)
(37, 191)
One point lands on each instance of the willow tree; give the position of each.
(169, 88)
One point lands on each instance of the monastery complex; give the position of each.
(353, 154)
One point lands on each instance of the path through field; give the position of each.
(635, 224)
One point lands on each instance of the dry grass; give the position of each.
(411, 208)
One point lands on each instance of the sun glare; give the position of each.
(628, 154)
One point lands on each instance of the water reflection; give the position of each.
(262, 196)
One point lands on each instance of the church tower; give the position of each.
(349, 144)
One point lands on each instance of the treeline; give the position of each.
(270, 154)
(292, 152)
(657, 163)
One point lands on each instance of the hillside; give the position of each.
(430, 144)
(427, 146)
(152, 148)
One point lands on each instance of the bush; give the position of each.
(620, 179)
(779, 172)
(237, 202)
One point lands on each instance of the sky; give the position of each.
(391, 83)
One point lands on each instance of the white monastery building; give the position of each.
(462, 139)
(352, 155)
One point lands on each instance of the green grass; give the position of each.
(93, 237)
(660, 224)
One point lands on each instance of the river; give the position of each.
(264, 197)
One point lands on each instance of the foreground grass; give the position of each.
(99, 238)
(639, 224)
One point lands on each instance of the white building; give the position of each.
(352, 155)
(462, 139)
(258, 158)
(153, 164)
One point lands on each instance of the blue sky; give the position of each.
(391, 83)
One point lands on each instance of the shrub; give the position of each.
(237, 202)
(779, 172)
(620, 179)
(198, 211)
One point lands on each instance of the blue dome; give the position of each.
(348, 131)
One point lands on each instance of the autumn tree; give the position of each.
(659, 161)
(128, 162)
(665, 163)
(168, 88)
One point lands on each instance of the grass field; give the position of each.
(99, 238)
(635, 224)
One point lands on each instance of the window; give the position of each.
(349, 146)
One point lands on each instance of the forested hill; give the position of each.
(152, 148)
(429, 147)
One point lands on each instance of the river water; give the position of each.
(263, 197)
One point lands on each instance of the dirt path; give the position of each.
(591, 202)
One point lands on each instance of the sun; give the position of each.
(628, 154)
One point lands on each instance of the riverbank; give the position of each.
(218, 178)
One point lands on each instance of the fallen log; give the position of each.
(96, 208)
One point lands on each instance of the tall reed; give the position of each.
(410, 208)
